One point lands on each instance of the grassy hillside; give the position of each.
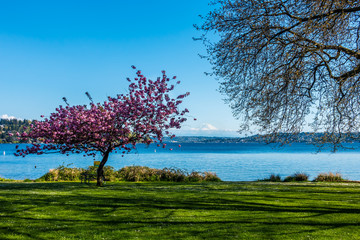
(223, 210)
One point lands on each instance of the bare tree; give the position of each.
(283, 62)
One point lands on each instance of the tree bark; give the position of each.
(100, 171)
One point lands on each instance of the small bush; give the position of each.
(68, 174)
(195, 177)
(2, 179)
(136, 174)
(52, 175)
(211, 177)
(109, 172)
(272, 178)
(28, 180)
(62, 173)
(297, 177)
(174, 175)
(202, 176)
(329, 177)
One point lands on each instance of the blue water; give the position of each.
(231, 161)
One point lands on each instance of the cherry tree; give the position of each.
(144, 115)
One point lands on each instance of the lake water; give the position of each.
(231, 161)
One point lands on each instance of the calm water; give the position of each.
(231, 162)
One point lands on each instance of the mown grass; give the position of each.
(216, 210)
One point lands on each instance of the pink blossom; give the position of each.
(144, 114)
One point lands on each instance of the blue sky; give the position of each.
(52, 49)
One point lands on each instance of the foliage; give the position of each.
(62, 173)
(297, 177)
(329, 177)
(272, 178)
(173, 175)
(131, 174)
(210, 177)
(138, 173)
(143, 115)
(109, 172)
(282, 61)
(164, 210)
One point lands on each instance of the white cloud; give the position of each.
(7, 117)
(208, 126)
(205, 127)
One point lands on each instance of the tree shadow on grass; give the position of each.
(71, 209)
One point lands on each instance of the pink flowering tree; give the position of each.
(144, 115)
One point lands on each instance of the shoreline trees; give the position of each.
(10, 126)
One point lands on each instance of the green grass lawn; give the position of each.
(241, 210)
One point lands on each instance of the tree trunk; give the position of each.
(100, 171)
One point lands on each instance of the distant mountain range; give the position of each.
(303, 137)
(201, 139)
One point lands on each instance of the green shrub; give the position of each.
(2, 179)
(297, 177)
(130, 173)
(329, 177)
(195, 177)
(28, 180)
(62, 173)
(173, 175)
(109, 172)
(272, 178)
(210, 177)
(49, 176)
(69, 174)
(138, 173)
(202, 176)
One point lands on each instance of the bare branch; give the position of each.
(280, 60)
